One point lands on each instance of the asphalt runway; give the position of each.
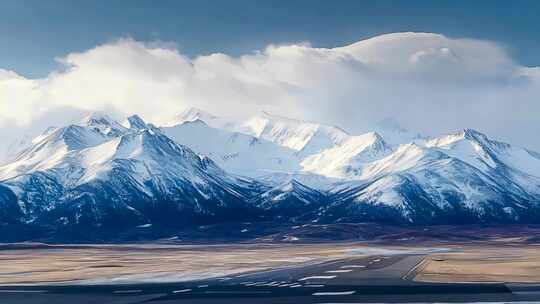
(375, 279)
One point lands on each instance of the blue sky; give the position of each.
(33, 33)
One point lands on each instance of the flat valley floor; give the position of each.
(498, 270)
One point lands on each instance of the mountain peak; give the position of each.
(375, 135)
(276, 117)
(291, 185)
(450, 139)
(136, 122)
(299, 135)
(195, 122)
(149, 144)
(191, 114)
(378, 142)
(97, 117)
(473, 134)
(103, 123)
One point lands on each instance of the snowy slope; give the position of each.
(263, 145)
(290, 200)
(302, 136)
(236, 152)
(427, 183)
(476, 148)
(12, 146)
(59, 147)
(348, 159)
(50, 149)
(78, 175)
(519, 165)
(102, 123)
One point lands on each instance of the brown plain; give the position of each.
(124, 264)
(483, 264)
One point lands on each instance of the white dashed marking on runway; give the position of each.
(295, 285)
(339, 271)
(313, 286)
(318, 278)
(336, 293)
(236, 292)
(181, 290)
(353, 266)
(21, 291)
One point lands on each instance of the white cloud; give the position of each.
(424, 81)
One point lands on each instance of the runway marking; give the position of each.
(414, 269)
(335, 293)
(128, 291)
(353, 266)
(236, 292)
(313, 286)
(21, 291)
(295, 285)
(339, 271)
(318, 278)
(182, 290)
(272, 283)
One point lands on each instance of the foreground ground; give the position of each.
(498, 269)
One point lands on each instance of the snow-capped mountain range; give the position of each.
(103, 175)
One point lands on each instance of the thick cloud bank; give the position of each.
(423, 81)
